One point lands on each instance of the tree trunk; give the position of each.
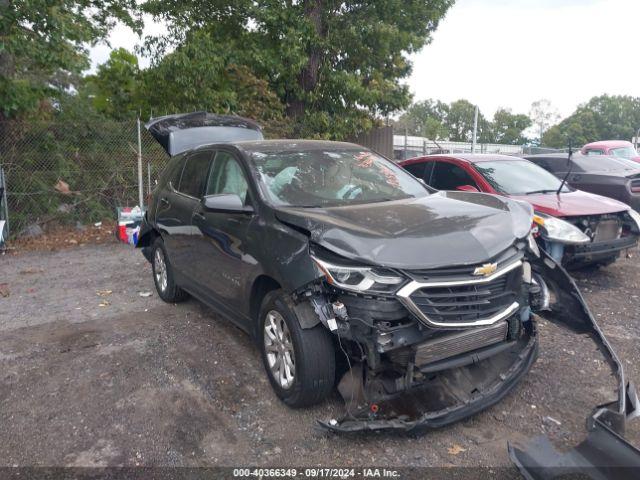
(308, 77)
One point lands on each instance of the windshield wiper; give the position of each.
(570, 165)
(547, 190)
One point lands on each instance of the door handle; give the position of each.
(198, 216)
(576, 178)
(164, 201)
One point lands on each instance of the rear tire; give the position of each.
(163, 276)
(300, 363)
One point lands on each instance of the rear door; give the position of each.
(176, 205)
(225, 263)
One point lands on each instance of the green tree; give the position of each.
(43, 46)
(425, 119)
(335, 65)
(114, 89)
(508, 128)
(192, 78)
(601, 118)
(460, 121)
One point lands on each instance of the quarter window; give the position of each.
(227, 177)
(194, 174)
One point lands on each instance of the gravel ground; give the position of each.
(93, 374)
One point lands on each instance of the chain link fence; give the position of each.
(73, 173)
(77, 173)
(407, 146)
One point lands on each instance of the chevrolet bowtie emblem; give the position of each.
(486, 269)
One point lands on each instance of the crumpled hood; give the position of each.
(574, 203)
(445, 228)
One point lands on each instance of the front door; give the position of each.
(225, 265)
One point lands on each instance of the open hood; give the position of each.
(181, 132)
(413, 233)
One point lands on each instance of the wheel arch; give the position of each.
(261, 286)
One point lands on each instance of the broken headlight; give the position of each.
(635, 216)
(359, 279)
(557, 230)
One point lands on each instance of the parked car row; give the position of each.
(612, 177)
(576, 228)
(346, 270)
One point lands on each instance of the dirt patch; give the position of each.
(58, 237)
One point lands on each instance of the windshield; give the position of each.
(324, 178)
(624, 152)
(519, 177)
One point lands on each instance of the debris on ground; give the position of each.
(551, 420)
(145, 294)
(455, 449)
(104, 293)
(4, 289)
(32, 231)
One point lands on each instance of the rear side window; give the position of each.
(447, 176)
(416, 169)
(595, 152)
(421, 170)
(194, 174)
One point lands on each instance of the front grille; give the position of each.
(467, 303)
(449, 346)
(443, 299)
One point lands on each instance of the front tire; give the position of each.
(300, 363)
(163, 276)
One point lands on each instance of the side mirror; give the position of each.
(226, 202)
(467, 188)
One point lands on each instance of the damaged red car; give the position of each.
(348, 272)
(576, 228)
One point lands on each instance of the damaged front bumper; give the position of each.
(446, 396)
(450, 391)
(604, 453)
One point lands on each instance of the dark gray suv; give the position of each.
(349, 271)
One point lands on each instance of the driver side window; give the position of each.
(227, 177)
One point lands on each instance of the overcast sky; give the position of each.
(509, 53)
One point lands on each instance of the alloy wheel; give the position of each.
(279, 350)
(160, 269)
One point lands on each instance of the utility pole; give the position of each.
(140, 180)
(475, 131)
